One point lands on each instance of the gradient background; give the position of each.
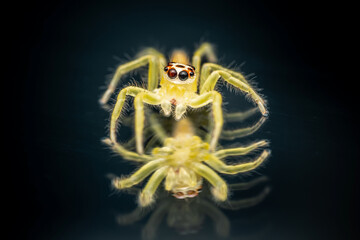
(61, 53)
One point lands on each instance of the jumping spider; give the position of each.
(181, 86)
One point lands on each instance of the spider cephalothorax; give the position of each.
(181, 85)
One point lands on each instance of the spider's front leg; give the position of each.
(140, 99)
(141, 95)
(208, 83)
(153, 58)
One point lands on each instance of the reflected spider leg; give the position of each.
(128, 155)
(240, 150)
(221, 222)
(220, 166)
(242, 132)
(220, 189)
(240, 116)
(146, 195)
(139, 175)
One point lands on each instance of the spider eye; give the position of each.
(165, 69)
(183, 75)
(191, 73)
(172, 73)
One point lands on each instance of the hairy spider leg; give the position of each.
(141, 95)
(223, 153)
(207, 68)
(128, 155)
(155, 59)
(138, 176)
(219, 189)
(221, 167)
(146, 196)
(240, 132)
(149, 98)
(207, 50)
(214, 77)
(216, 100)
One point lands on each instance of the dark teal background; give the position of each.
(62, 52)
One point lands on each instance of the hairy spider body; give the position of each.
(181, 86)
(180, 161)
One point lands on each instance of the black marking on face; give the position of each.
(180, 66)
(183, 75)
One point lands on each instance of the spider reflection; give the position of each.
(187, 217)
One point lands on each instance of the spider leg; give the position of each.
(154, 130)
(149, 98)
(155, 219)
(216, 100)
(157, 128)
(240, 116)
(153, 74)
(153, 52)
(220, 166)
(221, 221)
(247, 185)
(125, 153)
(138, 176)
(211, 81)
(207, 68)
(240, 150)
(220, 189)
(146, 196)
(132, 217)
(128, 91)
(205, 49)
(247, 202)
(242, 132)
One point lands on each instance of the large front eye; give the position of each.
(172, 73)
(183, 75)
